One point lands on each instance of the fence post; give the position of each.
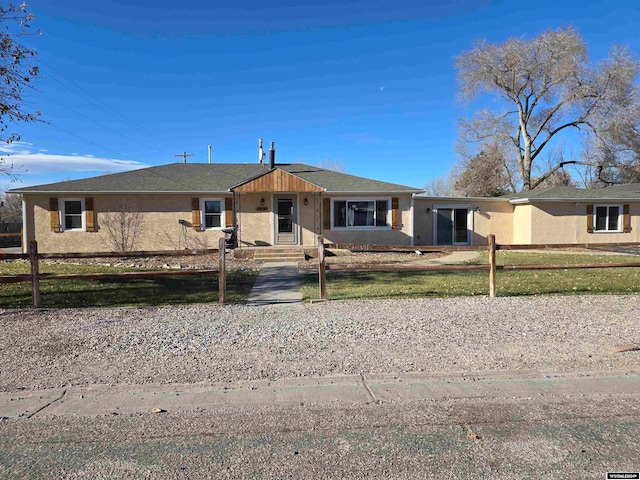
(322, 275)
(35, 273)
(222, 271)
(492, 265)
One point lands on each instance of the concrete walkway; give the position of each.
(454, 258)
(94, 400)
(277, 282)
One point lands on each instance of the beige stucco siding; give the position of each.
(566, 222)
(491, 217)
(522, 224)
(375, 236)
(256, 222)
(160, 228)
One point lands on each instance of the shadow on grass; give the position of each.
(129, 292)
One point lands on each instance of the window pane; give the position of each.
(444, 226)
(285, 207)
(460, 224)
(614, 213)
(601, 218)
(381, 213)
(212, 206)
(360, 214)
(212, 221)
(339, 214)
(285, 225)
(72, 222)
(73, 206)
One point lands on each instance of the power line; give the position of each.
(120, 154)
(100, 104)
(100, 124)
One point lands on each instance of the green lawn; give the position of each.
(507, 257)
(407, 284)
(118, 292)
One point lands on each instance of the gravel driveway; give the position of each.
(213, 343)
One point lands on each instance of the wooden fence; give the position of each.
(35, 276)
(492, 267)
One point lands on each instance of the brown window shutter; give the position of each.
(395, 223)
(55, 217)
(326, 214)
(228, 212)
(626, 219)
(589, 218)
(195, 213)
(90, 218)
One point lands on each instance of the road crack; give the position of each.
(64, 392)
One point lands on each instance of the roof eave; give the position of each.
(373, 192)
(521, 201)
(121, 192)
(465, 199)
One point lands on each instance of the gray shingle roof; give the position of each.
(210, 178)
(622, 192)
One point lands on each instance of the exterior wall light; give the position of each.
(306, 201)
(262, 202)
(428, 211)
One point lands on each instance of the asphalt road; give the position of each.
(560, 433)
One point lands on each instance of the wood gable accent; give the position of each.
(277, 180)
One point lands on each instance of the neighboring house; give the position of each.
(188, 205)
(555, 215)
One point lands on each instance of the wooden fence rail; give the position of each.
(35, 276)
(492, 267)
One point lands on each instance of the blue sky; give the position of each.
(370, 84)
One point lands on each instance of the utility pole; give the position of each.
(184, 155)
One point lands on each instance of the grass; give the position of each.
(407, 284)
(118, 292)
(528, 258)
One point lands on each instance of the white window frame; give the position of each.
(362, 199)
(61, 220)
(203, 215)
(608, 207)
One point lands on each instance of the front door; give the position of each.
(286, 227)
(452, 226)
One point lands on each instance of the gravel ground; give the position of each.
(186, 261)
(334, 257)
(213, 343)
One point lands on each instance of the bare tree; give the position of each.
(548, 87)
(443, 186)
(16, 73)
(484, 175)
(335, 165)
(11, 204)
(122, 226)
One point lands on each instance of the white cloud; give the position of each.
(24, 161)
